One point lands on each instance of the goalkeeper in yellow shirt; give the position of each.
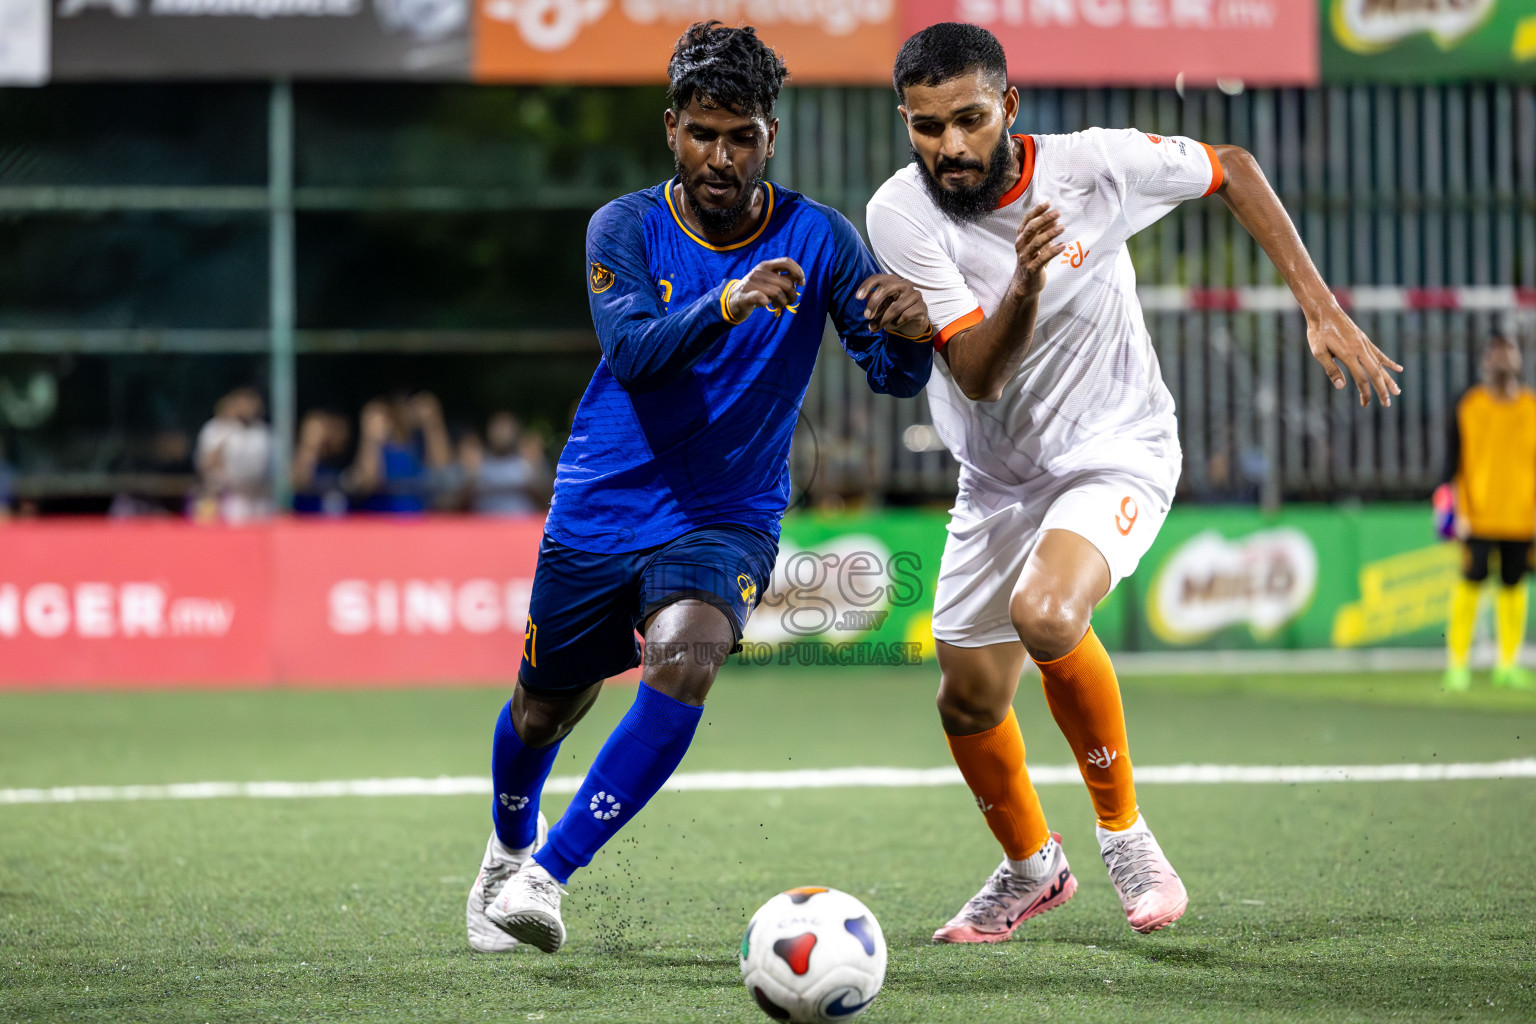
(1493, 471)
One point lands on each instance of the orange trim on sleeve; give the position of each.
(1026, 171)
(966, 322)
(912, 337)
(1217, 174)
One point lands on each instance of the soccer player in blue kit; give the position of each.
(709, 294)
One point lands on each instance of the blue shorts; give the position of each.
(585, 607)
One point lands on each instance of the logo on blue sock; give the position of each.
(513, 803)
(605, 807)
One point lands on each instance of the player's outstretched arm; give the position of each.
(1331, 335)
(772, 285)
(892, 305)
(645, 346)
(895, 346)
(881, 319)
(983, 358)
(882, 322)
(895, 305)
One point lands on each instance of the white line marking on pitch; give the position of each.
(812, 778)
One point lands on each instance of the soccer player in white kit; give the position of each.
(1050, 397)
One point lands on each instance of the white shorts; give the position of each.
(1117, 513)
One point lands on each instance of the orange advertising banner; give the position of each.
(824, 42)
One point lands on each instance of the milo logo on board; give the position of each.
(1368, 26)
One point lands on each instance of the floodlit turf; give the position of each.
(1341, 902)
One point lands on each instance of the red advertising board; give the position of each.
(1141, 42)
(349, 602)
(436, 600)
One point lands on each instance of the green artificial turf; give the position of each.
(1387, 901)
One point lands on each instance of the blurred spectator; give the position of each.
(459, 482)
(166, 457)
(320, 464)
(169, 453)
(510, 475)
(234, 458)
(402, 449)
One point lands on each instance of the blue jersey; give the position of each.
(687, 421)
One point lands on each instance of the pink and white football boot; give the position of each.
(1149, 888)
(1008, 900)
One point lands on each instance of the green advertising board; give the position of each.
(1406, 41)
(862, 579)
(1309, 577)
(861, 586)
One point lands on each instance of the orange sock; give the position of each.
(1084, 697)
(992, 764)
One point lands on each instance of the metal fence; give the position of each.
(1414, 190)
(1417, 190)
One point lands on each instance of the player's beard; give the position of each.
(971, 203)
(714, 220)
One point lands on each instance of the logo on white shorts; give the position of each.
(605, 807)
(1126, 517)
(1102, 758)
(513, 803)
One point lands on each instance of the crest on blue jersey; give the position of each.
(601, 278)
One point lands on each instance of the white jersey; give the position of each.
(1089, 396)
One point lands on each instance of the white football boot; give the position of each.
(498, 865)
(1149, 889)
(1008, 900)
(528, 908)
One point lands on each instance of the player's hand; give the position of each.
(893, 303)
(771, 285)
(1036, 246)
(1332, 335)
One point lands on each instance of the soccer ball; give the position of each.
(813, 955)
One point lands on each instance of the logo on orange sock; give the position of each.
(1102, 757)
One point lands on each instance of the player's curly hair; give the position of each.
(725, 67)
(948, 50)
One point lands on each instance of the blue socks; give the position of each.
(633, 765)
(518, 772)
